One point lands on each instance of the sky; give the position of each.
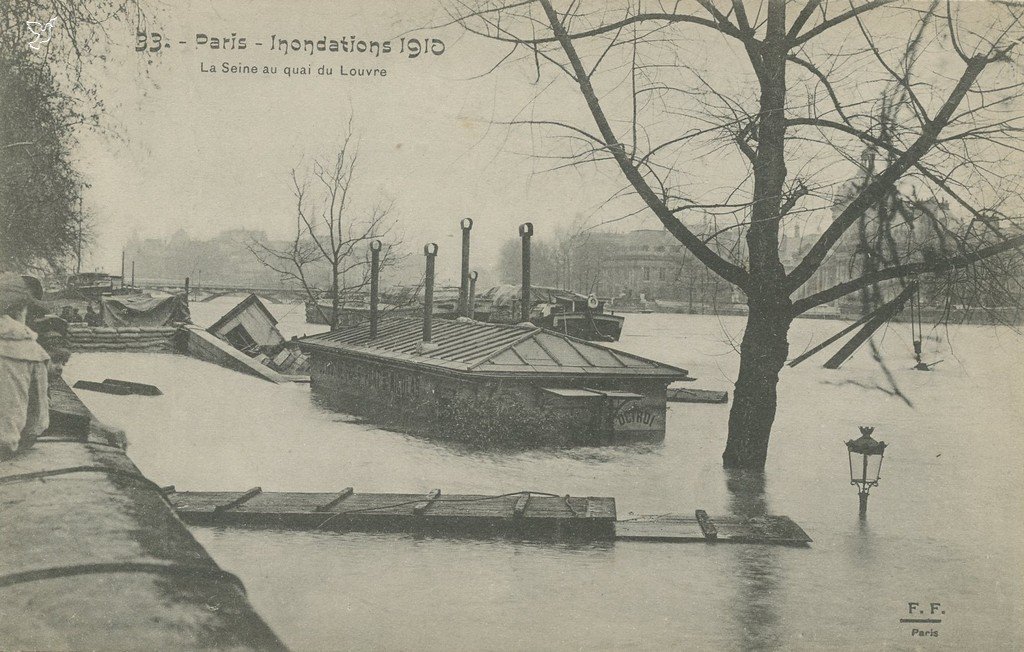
(205, 152)
(184, 148)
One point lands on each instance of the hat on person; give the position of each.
(18, 291)
(34, 285)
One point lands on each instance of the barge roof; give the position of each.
(487, 349)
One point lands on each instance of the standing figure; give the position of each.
(24, 405)
(92, 317)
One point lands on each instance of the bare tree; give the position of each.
(781, 98)
(47, 101)
(327, 256)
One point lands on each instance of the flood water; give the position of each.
(944, 526)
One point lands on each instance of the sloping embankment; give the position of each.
(93, 557)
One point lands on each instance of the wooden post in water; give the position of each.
(471, 309)
(430, 251)
(375, 248)
(467, 226)
(525, 231)
(884, 314)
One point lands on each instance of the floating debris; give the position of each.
(119, 387)
(686, 395)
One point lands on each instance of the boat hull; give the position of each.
(596, 327)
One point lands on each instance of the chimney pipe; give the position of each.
(525, 231)
(430, 251)
(472, 295)
(133, 273)
(467, 226)
(375, 248)
(186, 289)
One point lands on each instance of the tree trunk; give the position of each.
(334, 295)
(764, 347)
(762, 354)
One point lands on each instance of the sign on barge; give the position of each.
(478, 381)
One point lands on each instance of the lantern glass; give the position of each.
(865, 469)
(874, 468)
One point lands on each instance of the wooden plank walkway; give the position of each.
(521, 514)
(730, 529)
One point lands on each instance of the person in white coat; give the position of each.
(24, 404)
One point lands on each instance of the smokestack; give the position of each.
(430, 251)
(186, 289)
(375, 248)
(472, 295)
(467, 226)
(122, 268)
(133, 273)
(525, 231)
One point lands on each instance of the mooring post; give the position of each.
(467, 226)
(525, 231)
(375, 248)
(430, 251)
(472, 295)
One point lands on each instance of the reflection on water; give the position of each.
(944, 525)
(758, 570)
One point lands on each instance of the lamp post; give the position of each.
(866, 455)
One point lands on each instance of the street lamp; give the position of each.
(865, 464)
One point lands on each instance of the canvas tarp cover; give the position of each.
(144, 310)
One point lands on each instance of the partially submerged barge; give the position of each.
(475, 375)
(486, 382)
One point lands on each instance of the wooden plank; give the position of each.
(142, 389)
(102, 387)
(519, 509)
(675, 532)
(255, 491)
(706, 526)
(419, 508)
(342, 495)
(486, 515)
(777, 530)
(884, 314)
(800, 358)
(686, 395)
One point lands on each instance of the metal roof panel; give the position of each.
(469, 346)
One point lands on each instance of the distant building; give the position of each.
(652, 265)
(224, 259)
(916, 231)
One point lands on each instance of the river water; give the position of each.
(944, 526)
